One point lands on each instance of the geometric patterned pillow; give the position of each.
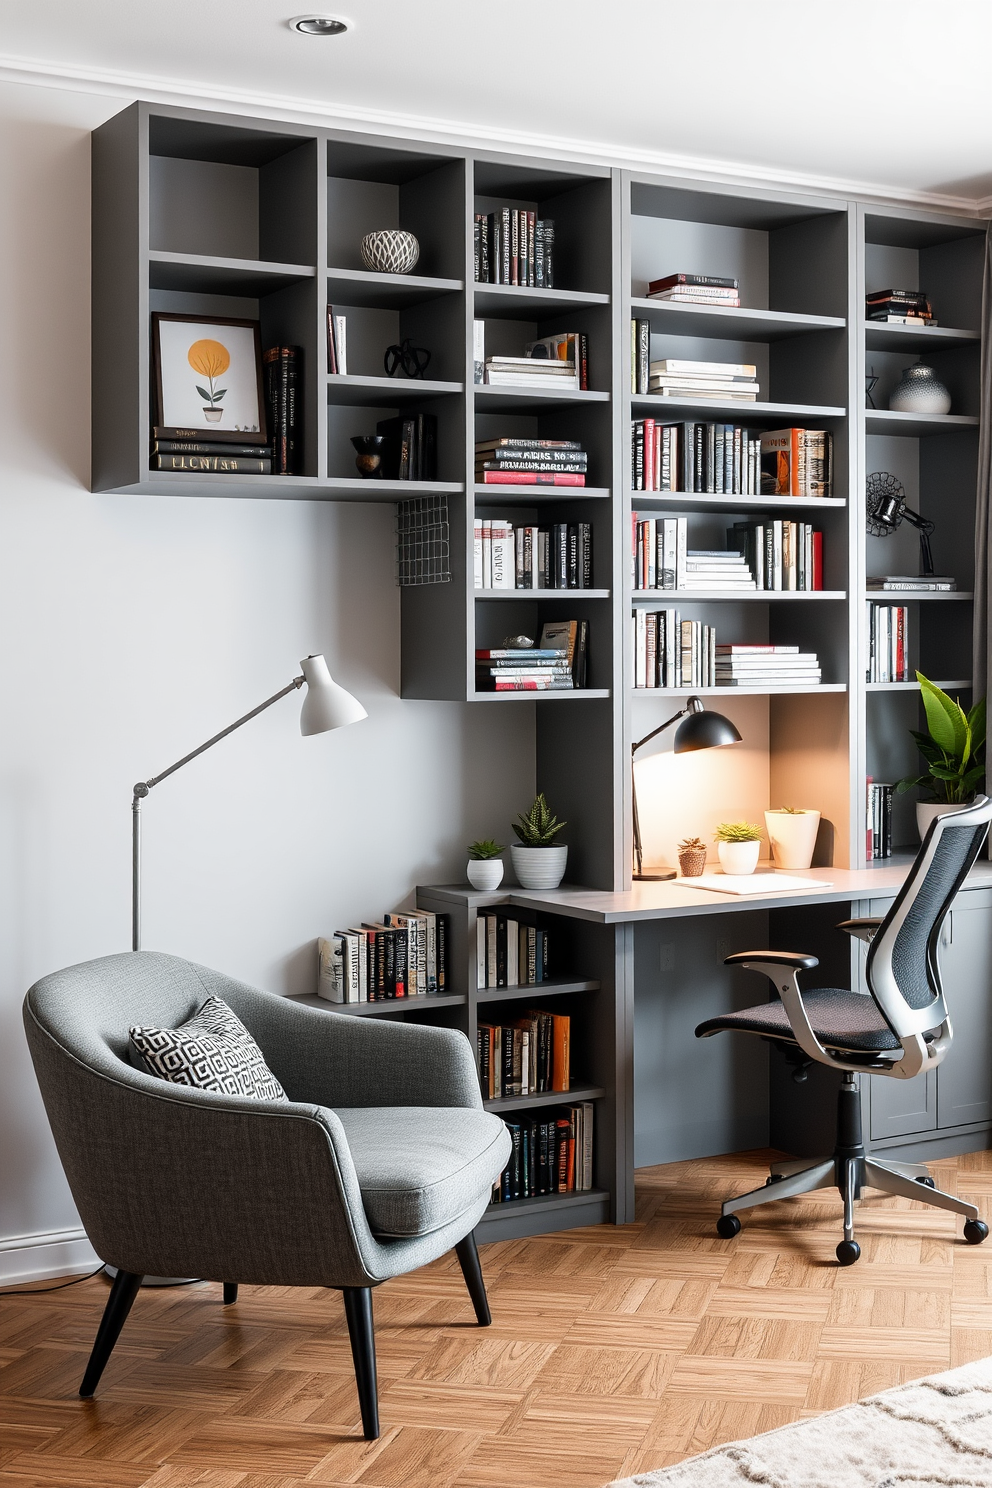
(213, 1051)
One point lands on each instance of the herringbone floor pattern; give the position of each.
(611, 1351)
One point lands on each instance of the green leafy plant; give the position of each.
(953, 747)
(738, 831)
(539, 827)
(788, 811)
(692, 844)
(486, 848)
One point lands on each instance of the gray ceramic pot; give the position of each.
(920, 390)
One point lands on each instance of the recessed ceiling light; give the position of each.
(311, 25)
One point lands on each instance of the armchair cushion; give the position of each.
(213, 1050)
(420, 1167)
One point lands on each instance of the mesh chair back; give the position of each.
(903, 970)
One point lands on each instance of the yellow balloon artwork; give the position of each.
(211, 359)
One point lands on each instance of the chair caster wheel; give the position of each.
(927, 1182)
(975, 1231)
(848, 1251)
(774, 1178)
(727, 1226)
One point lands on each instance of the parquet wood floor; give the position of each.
(612, 1351)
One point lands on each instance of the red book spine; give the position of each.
(869, 831)
(817, 560)
(530, 478)
(649, 437)
(901, 673)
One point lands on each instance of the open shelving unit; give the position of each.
(216, 214)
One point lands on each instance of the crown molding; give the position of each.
(184, 93)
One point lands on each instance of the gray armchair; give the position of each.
(383, 1159)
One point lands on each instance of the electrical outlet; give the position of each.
(666, 956)
(724, 948)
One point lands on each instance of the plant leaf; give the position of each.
(976, 722)
(203, 392)
(948, 725)
(218, 396)
(941, 772)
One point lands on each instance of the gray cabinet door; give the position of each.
(964, 1080)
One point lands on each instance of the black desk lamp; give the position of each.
(699, 729)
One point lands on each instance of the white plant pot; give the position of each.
(738, 858)
(485, 873)
(927, 810)
(792, 835)
(539, 867)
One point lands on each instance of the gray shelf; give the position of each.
(552, 988)
(511, 302)
(708, 500)
(880, 337)
(916, 425)
(730, 324)
(511, 399)
(546, 1098)
(570, 594)
(740, 691)
(566, 695)
(353, 391)
(960, 683)
(201, 274)
(533, 495)
(692, 596)
(808, 414)
(906, 596)
(285, 487)
(361, 287)
(421, 1003)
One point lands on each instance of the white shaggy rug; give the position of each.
(934, 1433)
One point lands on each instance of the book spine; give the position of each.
(216, 464)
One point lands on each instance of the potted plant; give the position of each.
(792, 834)
(692, 857)
(538, 861)
(485, 866)
(738, 844)
(954, 750)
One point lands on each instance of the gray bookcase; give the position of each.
(205, 212)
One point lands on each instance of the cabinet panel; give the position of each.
(964, 1080)
(901, 1107)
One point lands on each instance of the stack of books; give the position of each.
(671, 652)
(878, 820)
(696, 289)
(410, 452)
(281, 369)
(922, 583)
(514, 246)
(662, 559)
(796, 462)
(888, 643)
(530, 462)
(529, 1056)
(733, 382)
(525, 557)
(722, 458)
(221, 454)
(766, 666)
(899, 307)
(551, 1154)
(716, 569)
(556, 664)
(780, 555)
(337, 343)
(402, 955)
(556, 363)
(510, 953)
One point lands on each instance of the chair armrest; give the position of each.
(798, 960)
(863, 929)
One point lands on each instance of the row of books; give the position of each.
(514, 246)
(899, 307)
(780, 555)
(671, 652)
(729, 459)
(281, 371)
(527, 557)
(185, 449)
(410, 451)
(530, 462)
(662, 559)
(878, 820)
(888, 643)
(401, 955)
(530, 1056)
(557, 664)
(508, 953)
(696, 289)
(551, 1154)
(674, 377)
(337, 343)
(766, 666)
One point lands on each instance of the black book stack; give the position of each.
(410, 453)
(899, 307)
(281, 365)
(184, 449)
(513, 246)
(879, 823)
(530, 462)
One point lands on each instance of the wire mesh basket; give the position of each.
(423, 542)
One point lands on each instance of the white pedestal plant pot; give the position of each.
(539, 867)
(739, 858)
(792, 835)
(927, 810)
(485, 873)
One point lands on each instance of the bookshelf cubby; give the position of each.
(203, 212)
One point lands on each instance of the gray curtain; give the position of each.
(982, 642)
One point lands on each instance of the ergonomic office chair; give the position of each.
(899, 1030)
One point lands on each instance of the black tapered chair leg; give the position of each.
(230, 1292)
(468, 1258)
(122, 1294)
(358, 1311)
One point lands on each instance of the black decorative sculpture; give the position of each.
(414, 360)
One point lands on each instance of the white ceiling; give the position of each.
(886, 96)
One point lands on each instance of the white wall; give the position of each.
(130, 630)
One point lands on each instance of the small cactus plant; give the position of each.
(540, 826)
(486, 848)
(738, 831)
(692, 857)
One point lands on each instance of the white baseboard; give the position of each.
(26, 1258)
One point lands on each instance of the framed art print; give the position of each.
(208, 376)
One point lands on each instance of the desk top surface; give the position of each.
(675, 899)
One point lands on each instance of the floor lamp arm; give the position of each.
(144, 786)
(638, 844)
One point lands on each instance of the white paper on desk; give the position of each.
(752, 883)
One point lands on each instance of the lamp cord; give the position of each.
(40, 1291)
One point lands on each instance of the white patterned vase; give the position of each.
(390, 251)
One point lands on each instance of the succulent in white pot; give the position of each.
(485, 866)
(738, 844)
(538, 861)
(792, 835)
